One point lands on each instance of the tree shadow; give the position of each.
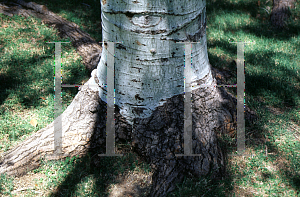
(263, 84)
(263, 29)
(105, 170)
(89, 12)
(12, 83)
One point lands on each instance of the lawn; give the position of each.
(272, 90)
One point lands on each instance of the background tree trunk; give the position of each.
(280, 12)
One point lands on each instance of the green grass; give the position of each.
(90, 180)
(272, 70)
(27, 67)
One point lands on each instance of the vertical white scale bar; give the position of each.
(187, 101)
(57, 105)
(57, 102)
(110, 121)
(240, 98)
(187, 136)
(110, 124)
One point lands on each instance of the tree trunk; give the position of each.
(280, 12)
(156, 128)
(149, 86)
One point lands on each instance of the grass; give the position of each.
(28, 93)
(272, 71)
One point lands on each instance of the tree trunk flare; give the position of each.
(280, 12)
(158, 138)
(83, 129)
(149, 86)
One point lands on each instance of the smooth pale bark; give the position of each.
(143, 80)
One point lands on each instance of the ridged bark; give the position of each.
(78, 122)
(280, 12)
(159, 137)
(84, 124)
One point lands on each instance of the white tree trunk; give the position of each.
(149, 86)
(143, 80)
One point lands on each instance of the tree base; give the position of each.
(156, 139)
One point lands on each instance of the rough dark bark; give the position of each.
(159, 137)
(156, 139)
(81, 113)
(280, 12)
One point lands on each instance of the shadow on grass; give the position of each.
(86, 13)
(266, 83)
(19, 78)
(263, 29)
(103, 170)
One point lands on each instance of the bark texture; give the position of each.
(159, 137)
(280, 12)
(84, 128)
(149, 64)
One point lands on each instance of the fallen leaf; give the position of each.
(4, 26)
(33, 122)
(43, 98)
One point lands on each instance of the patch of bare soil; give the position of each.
(30, 185)
(134, 184)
